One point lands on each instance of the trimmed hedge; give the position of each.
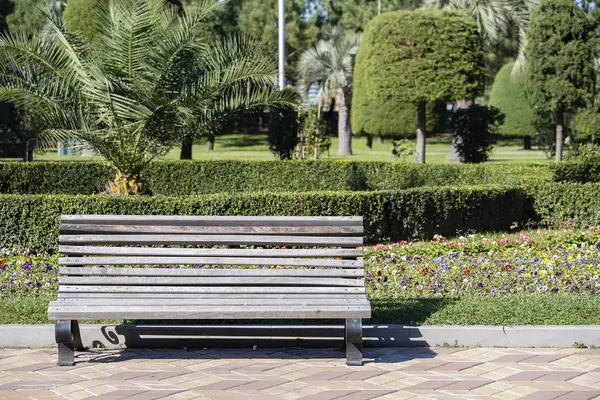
(581, 172)
(31, 221)
(181, 178)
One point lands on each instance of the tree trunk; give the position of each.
(527, 142)
(421, 124)
(369, 142)
(379, 140)
(559, 137)
(210, 145)
(344, 130)
(29, 152)
(186, 148)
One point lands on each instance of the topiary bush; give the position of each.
(508, 95)
(414, 57)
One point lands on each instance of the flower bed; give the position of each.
(541, 277)
(559, 262)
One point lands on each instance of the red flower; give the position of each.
(507, 267)
(394, 262)
(467, 271)
(424, 271)
(402, 268)
(378, 273)
(2, 263)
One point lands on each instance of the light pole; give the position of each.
(281, 44)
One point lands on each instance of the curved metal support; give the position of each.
(68, 338)
(353, 341)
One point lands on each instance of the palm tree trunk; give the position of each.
(559, 137)
(210, 144)
(421, 124)
(344, 129)
(527, 143)
(186, 148)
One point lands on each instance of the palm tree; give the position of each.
(329, 65)
(146, 82)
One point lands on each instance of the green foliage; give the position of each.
(147, 82)
(582, 171)
(560, 77)
(258, 19)
(585, 126)
(567, 205)
(313, 140)
(475, 129)
(182, 178)
(31, 221)
(82, 16)
(283, 133)
(27, 16)
(411, 57)
(395, 119)
(508, 95)
(353, 15)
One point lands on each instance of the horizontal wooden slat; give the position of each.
(220, 289)
(208, 281)
(327, 272)
(213, 240)
(214, 230)
(177, 220)
(213, 302)
(274, 297)
(209, 312)
(287, 262)
(189, 252)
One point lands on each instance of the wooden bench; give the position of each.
(296, 268)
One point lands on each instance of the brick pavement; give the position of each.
(415, 373)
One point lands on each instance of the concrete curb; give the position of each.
(264, 336)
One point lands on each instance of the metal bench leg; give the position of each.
(68, 338)
(353, 341)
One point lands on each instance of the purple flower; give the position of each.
(27, 266)
(479, 284)
(48, 268)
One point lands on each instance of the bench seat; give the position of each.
(203, 268)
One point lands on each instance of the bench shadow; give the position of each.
(397, 340)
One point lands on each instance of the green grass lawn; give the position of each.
(255, 147)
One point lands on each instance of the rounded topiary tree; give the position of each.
(560, 78)
(508, 95)
(415, 57)
(82, 16)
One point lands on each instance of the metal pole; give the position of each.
(281, 44)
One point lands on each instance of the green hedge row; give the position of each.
(181, 178)
(31, 221)
(581, 172)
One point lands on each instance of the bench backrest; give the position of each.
(284, 256)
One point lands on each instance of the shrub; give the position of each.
(181, 178)
(31, 221)
(509, 97)
(475, 129)
(283, 133)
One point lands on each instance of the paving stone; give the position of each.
(580, 395)
(546, 395)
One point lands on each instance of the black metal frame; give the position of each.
(353, 338)
(68, 338)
